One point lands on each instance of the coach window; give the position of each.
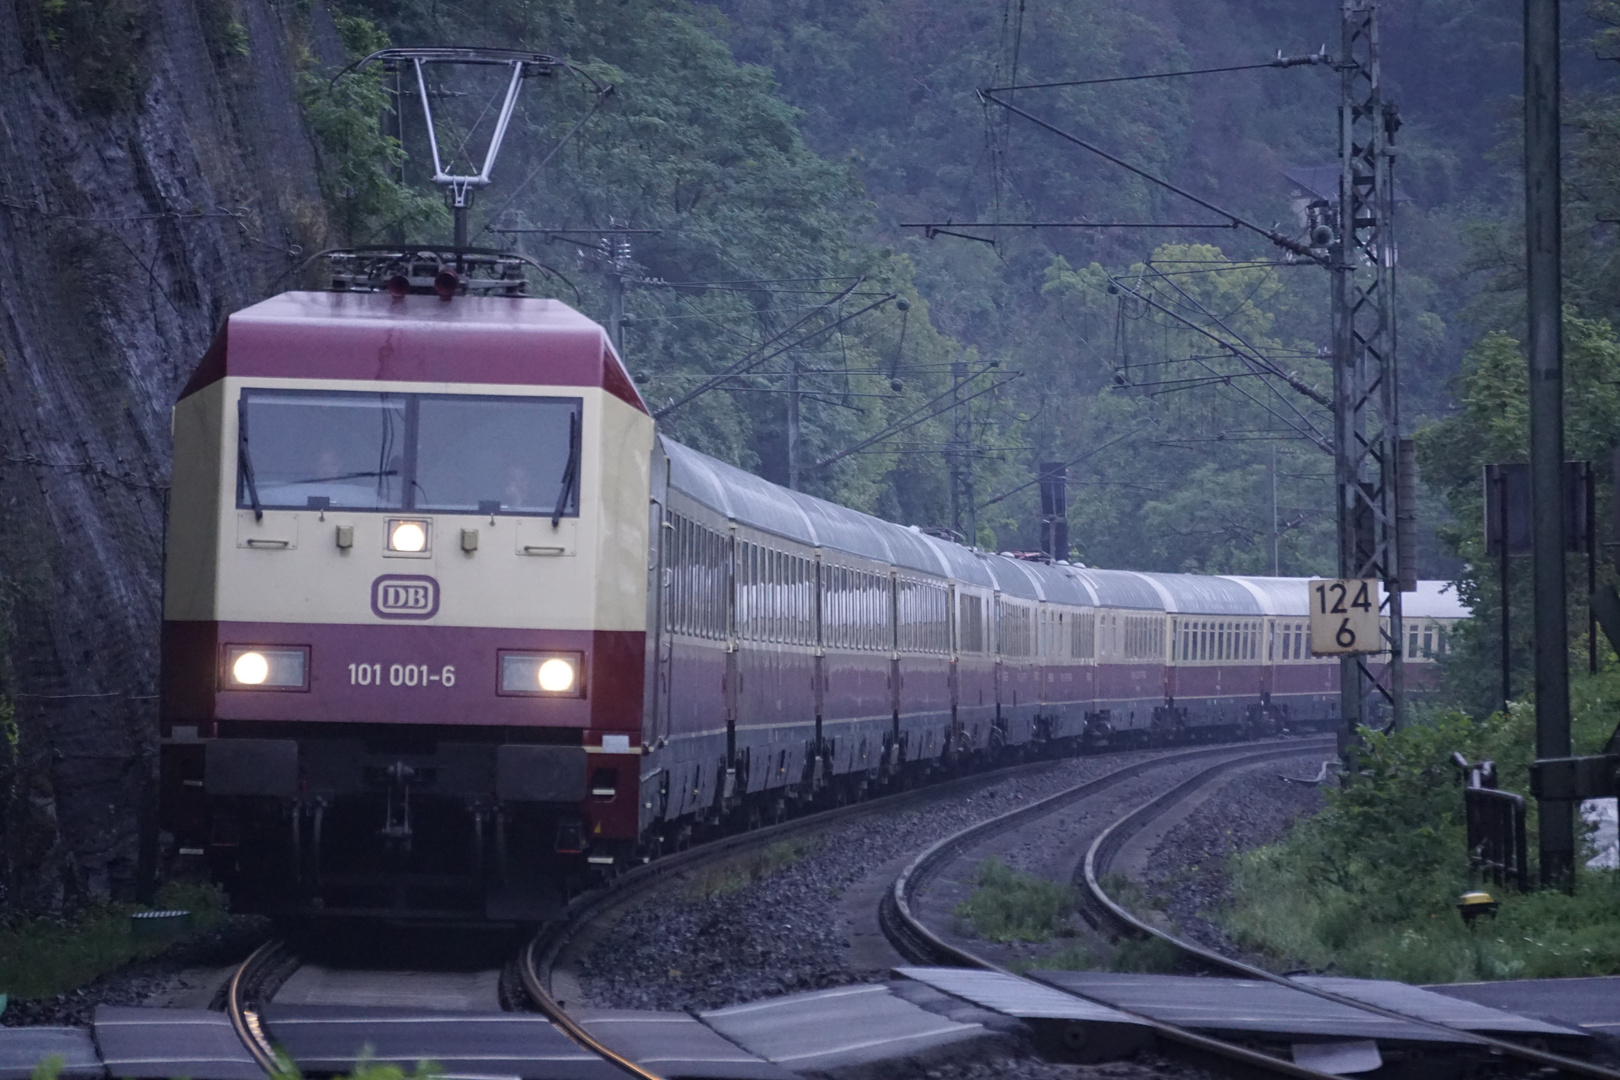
(302, 449)
(511, 455)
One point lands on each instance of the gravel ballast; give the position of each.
(784, 932)
(1186, 875)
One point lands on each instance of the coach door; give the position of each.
(660, 648)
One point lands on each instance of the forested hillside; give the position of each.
(847, 118)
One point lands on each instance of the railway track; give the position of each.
(918, 943)
(257, 979)
(915, 940)
(1112, 839)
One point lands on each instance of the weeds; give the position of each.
(1074, 956)
(43, 956)
(99, 44)
(1009, 905)
(1368, 886)
(1151, 954)
(734, 876)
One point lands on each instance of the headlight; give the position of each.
(407, 535)
(550, 674)
(257, 667)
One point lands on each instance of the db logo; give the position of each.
(404, 596)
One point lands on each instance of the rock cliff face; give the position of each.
(155, 175)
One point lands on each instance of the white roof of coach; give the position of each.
(1434, 600)
(1277, 595)
(1199, 594)
(755, 501)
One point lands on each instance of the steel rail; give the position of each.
(918, 943)
(241, 1004)
(1112, 839)
(553, 1010)
(586, 909)
(536, 961)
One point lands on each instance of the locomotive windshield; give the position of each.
(346, 450)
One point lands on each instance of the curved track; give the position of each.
(920, 944)
(256, 980)
(249, 987)
(1112, 839)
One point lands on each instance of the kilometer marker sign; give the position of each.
(1344, 617)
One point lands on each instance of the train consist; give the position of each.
(447, 623)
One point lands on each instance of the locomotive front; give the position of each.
(405, 605)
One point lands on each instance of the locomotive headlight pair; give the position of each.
(552, 674)
(256, 667)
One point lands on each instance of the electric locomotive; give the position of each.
(405, 602)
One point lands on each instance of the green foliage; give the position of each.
(360, 164)
(1368, 886)
(41, 956)
(223, 28)
(1150, 955)
(48, 1069)
(1010, 905)
(99, 44)
(364, 1069)
(785, 139)
(1491, 424)
(1075, 955)
(733, 876)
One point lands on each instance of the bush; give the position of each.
(1369, 885)
(99, 43)
(1009, 905)
(358, 163)
(41, 956)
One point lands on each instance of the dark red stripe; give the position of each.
(193, 651)
(471, 339)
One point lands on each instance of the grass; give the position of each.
(1073, 956)
(1010, 905)
(40, 957)
(736, 875)
(1368, 886)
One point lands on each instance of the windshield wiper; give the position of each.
(570, 471)
(245, 462)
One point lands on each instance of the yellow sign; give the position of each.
(1344, 617)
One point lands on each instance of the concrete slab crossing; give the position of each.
(1074, 1015)
(852, 1025)
(333, 1039)
(23, 1048)
(1591, 1004)
(162, 1043)
(675, 1046)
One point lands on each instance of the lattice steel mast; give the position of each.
(1366, 405)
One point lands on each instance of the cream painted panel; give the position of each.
(491, 586)
(625, 479)
(274, 530)
(189, 574)
(539, 538)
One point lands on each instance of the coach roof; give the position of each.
(514, 341)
